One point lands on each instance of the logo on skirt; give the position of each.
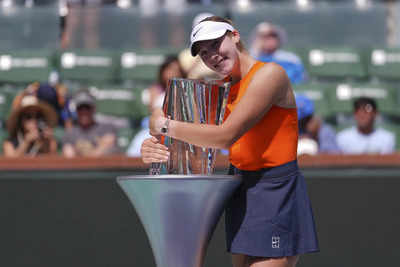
(275, 241)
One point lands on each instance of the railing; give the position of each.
(121, 162)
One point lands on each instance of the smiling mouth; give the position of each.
(219, 62)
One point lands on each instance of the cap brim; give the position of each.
(205, 37)
(208, 30)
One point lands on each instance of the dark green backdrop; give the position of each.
(82, 218)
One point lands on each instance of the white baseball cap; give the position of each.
(208, 30)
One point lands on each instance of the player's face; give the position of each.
(220, 54)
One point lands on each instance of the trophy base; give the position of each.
(179, 213)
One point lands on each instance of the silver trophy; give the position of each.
(179, 211)
(194, 101)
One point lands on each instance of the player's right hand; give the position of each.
(153, 151)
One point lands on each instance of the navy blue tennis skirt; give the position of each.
(270, 214)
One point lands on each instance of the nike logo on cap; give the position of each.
(194, 34)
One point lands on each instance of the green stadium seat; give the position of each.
(336, 64)
(143, 65)
(36, 27)
(119, 101)
(342, 97)
(7, 94)
(4, 105)
(384, 63)
(394, 128)
(3, 136)
(25, 66)
(318, 93)
(95, 66)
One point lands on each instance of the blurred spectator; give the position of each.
(88, 138)
(85, 14)
(194, 66)
(30, 129)
(364, 137)
(266, 41)
(56, 96)
(134, 147)
(169, 69)
(315, 136)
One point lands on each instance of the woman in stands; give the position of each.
(170, 68)
(30, 128)
(269, 221)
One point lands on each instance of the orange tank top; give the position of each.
(272, 141)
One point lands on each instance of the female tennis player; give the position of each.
(269, 220)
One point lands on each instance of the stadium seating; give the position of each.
(336, 64)
(22, 67)
(89, 66)
(318, 92)
(384, 64)
(142, 65)
(119, 101)
(34, 28)
(7, 94)
(394, 128)
(386, 96)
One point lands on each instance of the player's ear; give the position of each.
(235, 36)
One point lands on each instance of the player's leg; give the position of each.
(239, 260)
(273, 262)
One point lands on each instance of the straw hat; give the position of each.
(28, 103)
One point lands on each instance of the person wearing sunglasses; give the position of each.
(30, 128)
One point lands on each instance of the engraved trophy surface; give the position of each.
(193, 101)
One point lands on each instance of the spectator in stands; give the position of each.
(364, 137)
(88, 138)
(56, 96)
(136, 143)
(170, 68)
(30, 129)
(266, 41)
(82, 14)
(315, 136)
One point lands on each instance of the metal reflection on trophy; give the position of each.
(194, 101)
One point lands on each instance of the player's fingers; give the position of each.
(154, 157)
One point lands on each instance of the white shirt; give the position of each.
(134, 147)
(380, 141)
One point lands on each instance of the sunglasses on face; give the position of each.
(31, 116)
(84, 107)
(269, 35)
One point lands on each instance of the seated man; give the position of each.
(364, 137)
(88, 138)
